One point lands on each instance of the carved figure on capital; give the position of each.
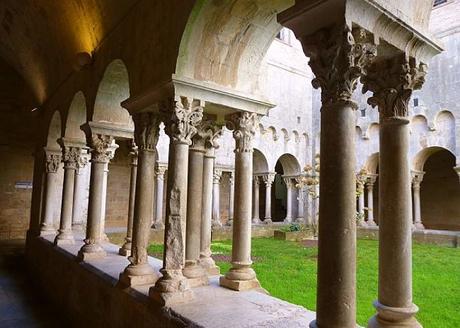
(147, 130)
(53, 160)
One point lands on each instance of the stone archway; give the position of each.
(285, 205)
(372, 187)
(439, 190)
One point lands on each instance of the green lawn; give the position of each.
(288, 271)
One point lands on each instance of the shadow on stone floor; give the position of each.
(21, 303)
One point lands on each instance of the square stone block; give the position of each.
(198, 281)
(82, 256)
(63, 242)
(131, 281)
(239, 285)
(171, 298)
(124, 252)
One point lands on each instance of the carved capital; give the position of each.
(370, 180)
(134, 153)
(392, 81)
(183, 119)
(338, 58)
(146, 130)
(53, 160)
(217, 175)
(71, 156)
(256, 181)
(417, 178)
(244, 126)
(209, 133)
(268, 179)
(160, 171)
(289, 182)
(101, 148)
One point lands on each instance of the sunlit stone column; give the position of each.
(146, 134)
(231, 198)
(52, 164)
(184, 117)
(125, 250)
(417, 178)
(268, 179)
(289, 186)
(300, 200)
(213, 133)
(80, 192)
(71, 154)
(255, 202)
(241, 275)
(337, 59)
(216, 223)
(360, 181)
(371, 178)
(159, 190)
(392, 81)
(195, 273)
(113, 147)
(101, 153)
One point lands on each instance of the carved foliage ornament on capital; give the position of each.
(244, 126)
(71, 156)
(338, 57)
(392, 82)
(183, 119)
(210, 131)
(268, 179)
(100, 148)
(53, 159)
(147, 130)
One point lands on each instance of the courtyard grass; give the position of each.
(287, 270)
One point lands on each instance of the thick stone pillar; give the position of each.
(206, 261)
(241, 275)
(195, 273)
(159, 190)
(371, 178)
(231, 199)
(290, 189)
(216, 223)
(417, 178)
(268, 179)
(79, 192)
(52, 163)
(337, 59)
(392, 81)
(71, 154)
(255, 200)
(146, 134)
(101, 154)
(125, 250)
(181, 126)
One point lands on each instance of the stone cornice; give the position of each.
(117, 131)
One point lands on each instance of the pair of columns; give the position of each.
(339, 56)
(268, 180)
(216, 221)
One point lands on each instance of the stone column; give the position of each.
(52, 163)
(289, 186)
(113, 147)
(184, 116)
(360, 180)
(268, 179)
(392, 81)
(216, 223)
(206, 261)
(146, 134)
(195, 273)
(101, 153)
(241, 275)
(371, 178)
(231, 199)
(159, 190)
(125, 250)
(71, 154)
(255, 202)
(300, 200)
(79, 192)
(417, 178)
(337, 59)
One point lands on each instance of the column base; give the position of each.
(63, 241)
(47, 231)
(287, 220)
(239, 285)
(158, 226)
(171, 289)
(208, 264)
(268, 221)
(138, 275)
(393, 317)
(216, 224)
(229, 223)
(419, 226)
(91, 252)
(195, 274)
(256, 221)
(371, 223)
(124, 252)
(362, 224)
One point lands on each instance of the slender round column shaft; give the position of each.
(193, 271)
(417, 178)
(216, 198)
(100, 157)
(231, 199)
(159, 190)
(70, 158)
(370, 200)
(206, 260)
(360, 210)
(53, 160)
(289, 188)
(336, 305)
(255, 203)
(268, 180)
(125, 250)
(79, 194)
(241, 275)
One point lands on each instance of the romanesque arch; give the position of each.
(76, 117)
(260, 164)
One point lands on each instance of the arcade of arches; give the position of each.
(184, 117)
